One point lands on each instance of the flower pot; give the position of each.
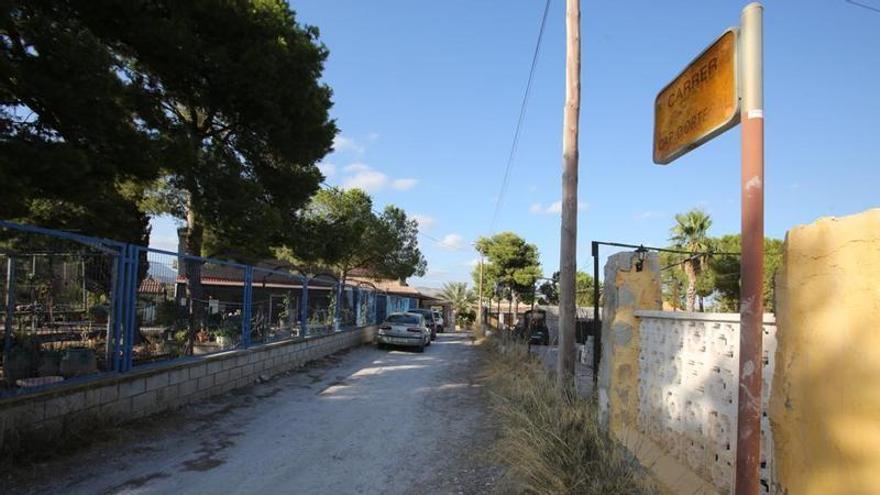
(18, 365)
(50, 364)
(206, 348)
(225, 342)
(77, 362)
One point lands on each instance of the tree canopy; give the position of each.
(716, 276)
(690, 233)
(511, 264)
(210, 111)
(583, 287)
(340, 232)
(71, 144)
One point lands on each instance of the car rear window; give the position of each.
(405, 319)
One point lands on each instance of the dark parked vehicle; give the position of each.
(430, 321)
(533, 327)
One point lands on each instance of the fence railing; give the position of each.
(74, 306)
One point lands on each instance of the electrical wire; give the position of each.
(864, 6)
(522, 113)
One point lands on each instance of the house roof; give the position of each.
(266, 274)
(150, 285)
(390, 286)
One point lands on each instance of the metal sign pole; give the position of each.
(748, 443)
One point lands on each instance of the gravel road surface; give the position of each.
(365, 421)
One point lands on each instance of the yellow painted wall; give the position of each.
(825, 407)
(634, 290)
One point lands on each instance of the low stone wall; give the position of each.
(155, 388)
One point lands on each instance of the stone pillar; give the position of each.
(825, 398)
(626, 290)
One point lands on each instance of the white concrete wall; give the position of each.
(688, 378)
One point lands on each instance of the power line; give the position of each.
(521, 118)
(863, 5)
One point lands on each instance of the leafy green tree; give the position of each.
(399, 254)
(550, 289)
(690, 233)
(673, 281)
(340, 232)
(238, 110)
(583, 287)
(212, 111)
(71, 145)
(460, 297)
(512, 264)
(726, 271)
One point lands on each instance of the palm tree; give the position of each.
(458, 295)
(690, 234)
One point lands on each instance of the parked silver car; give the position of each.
(404, 329)
(438, 318)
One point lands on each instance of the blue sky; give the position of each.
(427, 95)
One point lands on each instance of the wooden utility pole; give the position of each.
(568, 235)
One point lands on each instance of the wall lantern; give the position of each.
(642, 255)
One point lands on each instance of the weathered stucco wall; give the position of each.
(626, 290)
(825, 407)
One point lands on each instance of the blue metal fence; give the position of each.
(137, 305)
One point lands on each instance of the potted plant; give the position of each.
(50, 363)
(229, 332)
(23, 358)
(78, 361)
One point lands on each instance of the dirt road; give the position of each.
(367, 421)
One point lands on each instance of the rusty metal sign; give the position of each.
(699, 104)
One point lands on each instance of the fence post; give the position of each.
(338, 307)
(129, 302)
(356, 295)
(115, 319)
(304, 309)
(10, 307)
(247, 305)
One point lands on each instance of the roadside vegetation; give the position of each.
(550, 441)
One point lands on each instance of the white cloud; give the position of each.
(327, 169)
(343, 144)
(368, 180)
(474, 262)
(403, 184)
(164, 242)
(452, 242)
(357, 167)
(373, 137)
(362, 176)
(425, 222)
(647, 215)
(554, 208)
(794, 186)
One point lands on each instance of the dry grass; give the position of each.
(551, 440)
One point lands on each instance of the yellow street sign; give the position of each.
(699, 104)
